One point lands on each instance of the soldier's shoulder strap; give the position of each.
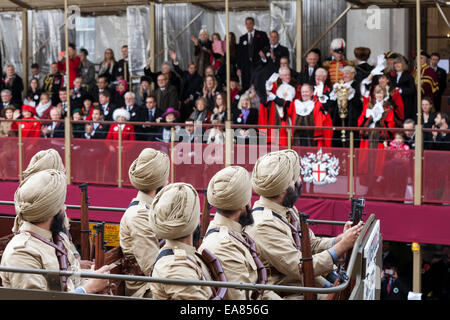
(134, 203)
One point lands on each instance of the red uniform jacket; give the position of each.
(127, 132)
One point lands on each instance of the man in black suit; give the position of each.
(122, 68)
(96, 130)
(166, 94)
(271, 54)
(363, 69)
(442, 79)
(106, 106)
(308, 73)
(13, 82)
(102, 86)
(53, 129)
(149, 114)
(250, 44)
(135, 111)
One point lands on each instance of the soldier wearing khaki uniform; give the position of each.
(230, 191)
(39, 203)
(147, 173)
(275, 178)
(175, 214)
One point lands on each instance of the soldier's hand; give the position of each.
(351, 235)
(97, 285)
(347, 225)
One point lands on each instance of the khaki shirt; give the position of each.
(26, 251)
(236, 259)
(277, 249)
(138, 240)
(178, 266)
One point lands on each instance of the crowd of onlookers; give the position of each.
(379, 96)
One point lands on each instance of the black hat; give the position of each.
(391, 55)
(423, 53)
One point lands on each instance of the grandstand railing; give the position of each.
(377, 174)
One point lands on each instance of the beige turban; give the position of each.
(150, 170)
(230, 188)
(274, 172)
(45, 159)
(40, 197)
(175, 211)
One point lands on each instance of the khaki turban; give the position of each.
(274, 172)
(40, 197)
(175, 211)
(150, 170)
(45, 159)
(230, 188)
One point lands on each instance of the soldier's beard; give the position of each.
(57, 224)
(196, 236)
(246, 218)
(292, 195)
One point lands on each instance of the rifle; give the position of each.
(99, 245)
(357, 207)
(84, 232)
(307, 260)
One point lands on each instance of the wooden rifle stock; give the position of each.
(84, 231)
(307, 260)
(99, 245)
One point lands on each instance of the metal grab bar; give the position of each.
(237, 285)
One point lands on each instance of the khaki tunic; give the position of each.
(138, 240)
(236, 259)
(178, 266)
(276, 246)
(25, 251)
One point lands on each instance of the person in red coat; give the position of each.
(279, 108)
(121, 115)
(29, 129)
(311, 112)
(74, 65)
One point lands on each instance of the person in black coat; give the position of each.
(122, 66)
(393, 287)
(166, 69)
(191, 87)
(14, 83)
(428, 116)
(363, 69)
(102, 85)
(106, 106)
(271, 54)
(405, 82)
(308, 73)
(441, 140)
(250, 44)
(96, 130)
(150, 114)
(441, 77)
(53, 129)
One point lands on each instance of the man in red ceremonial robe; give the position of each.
(310, 112)
(279, 108)
(429, 81)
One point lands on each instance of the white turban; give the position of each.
(150, 170)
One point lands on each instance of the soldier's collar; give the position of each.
(174, 244)
(234, 226)
(275, 207)
(144, 198)
(28, 226)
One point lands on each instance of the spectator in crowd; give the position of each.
(144, 90)
(30, 129)
(106, 106)
(107, 66)
(390, 61)
(150, 114)
(410, 125)
(96, 130)
(405, 83)
(136, 114)
(170, 116)
(166, 70)
(271, 54)
(52, 83)
(86, 109)
(217, 52)
(5, 126)
(441, 140)
(121, 89)
(121, 115)
(245, 115)
(74, 64)
(6, 96)
(189, 134)
(250, 44)
(34, 92)
(44, 106)
(166, 94)
(308, 73)
(62, 106)
(441, 79)
(210, 90)
(36, 73)
(220, 107)
(202, 50)
(363, 69)
(221, 73)
(102, 86)
(77, 94)
(87, 70)
(428, 115)
(77, 128)
(53, 129)
(216, 133)
(399, 142)
(393, 287)
(13, 82)
(286, 62)
(191, 86)
(235, 91)
(122, 68)
(429, 82)
(201, 114)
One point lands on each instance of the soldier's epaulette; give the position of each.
(351, 63)
(326, 64)
(179, 254)
(224, 236)
(267, 214)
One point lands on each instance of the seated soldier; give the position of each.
(39, 203)
(230, 191)
(276, 179)
(148, 174)
(174, 216)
